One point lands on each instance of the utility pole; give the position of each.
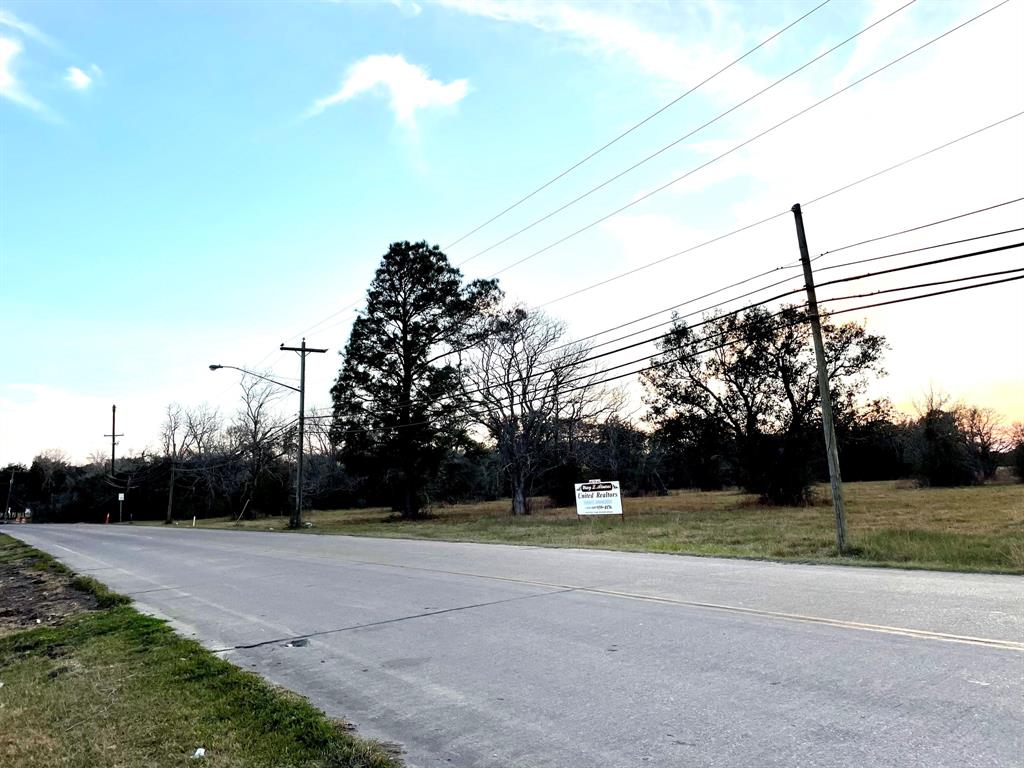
(113, 436)
(10, 490)
(296, 521)
(823, 385)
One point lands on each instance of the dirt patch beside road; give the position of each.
(36, 591)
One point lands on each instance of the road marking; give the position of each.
(918, 634)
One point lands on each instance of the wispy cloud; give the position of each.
(410, 87)
(8, 19)
(10, 88)
(602, 33)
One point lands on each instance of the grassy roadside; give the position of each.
(890, 524)
(95, 683)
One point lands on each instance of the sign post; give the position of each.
(120, 507)
(598, 497)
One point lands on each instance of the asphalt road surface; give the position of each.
(484, 655)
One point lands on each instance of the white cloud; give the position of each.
(77, 79)
(665, 57)
(10, 88)
(408, 7)
(8, 19)
(409, 86)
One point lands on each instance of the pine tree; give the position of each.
(397, 407)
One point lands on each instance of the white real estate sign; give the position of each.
(598, 497)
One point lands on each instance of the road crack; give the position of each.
(384, 622)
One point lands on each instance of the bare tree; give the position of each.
(176, 442)
(188, 434)
(983, 431)
(259, 433)
(531, 393)
(203, 429)
(98, 458)
(323, 473)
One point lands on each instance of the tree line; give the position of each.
(447, 392)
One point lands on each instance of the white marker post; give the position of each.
(598, 497)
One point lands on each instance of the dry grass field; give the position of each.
(890, 524)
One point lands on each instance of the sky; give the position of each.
(187, 183)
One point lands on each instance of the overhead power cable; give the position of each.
(596, 152)
(707, 320)
(924, 295)
(838, 312)
(662, 363)
(746, 142)
(590, 156)
(918, 227)
(919, 250)
(683, 138)
(774, 216)
(932, 284)
(754, 224)
(780, 282)
(629, 130)
(786, 212)
(709, 294)
(766, 287)
(920, 264)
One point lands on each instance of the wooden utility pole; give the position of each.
(823, 386)
(296, 521)
(170, 496)
(113, 436)
(10, 490)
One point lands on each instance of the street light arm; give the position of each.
(257, 375)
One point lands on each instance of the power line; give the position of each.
(918, 227)
(831, 314)
(629, 130)
(922, 248)
(762, 288)
(682, 138)
(707, 320)
(920, 264)
(688, 301)
(662, 363)
(598, 151)
(765, 220)
(701, 323)
(940, 147)
(752, 225)
(925, 295)
(706, 309)
(741, 229)
(752, 139)
(948, 281)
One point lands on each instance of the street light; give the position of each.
(296, 519)
(258, 376)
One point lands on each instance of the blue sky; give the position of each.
(186, 183)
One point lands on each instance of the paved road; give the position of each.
(483, 655)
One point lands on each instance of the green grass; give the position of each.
(889, 524)
(114, 688)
